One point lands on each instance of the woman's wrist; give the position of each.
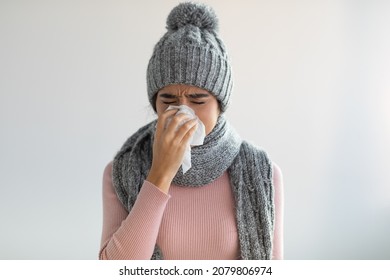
(161, 181)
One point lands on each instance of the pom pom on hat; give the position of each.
(195, 14)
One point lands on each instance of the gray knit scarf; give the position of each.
(249, 169)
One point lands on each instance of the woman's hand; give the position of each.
(170, 143)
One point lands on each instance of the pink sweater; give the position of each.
(188, 223)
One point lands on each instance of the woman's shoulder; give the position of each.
(277, 174)
(262, 153)
(107, 175)
(141, 135)
(251, 146)
(257, 151)
(108, 168)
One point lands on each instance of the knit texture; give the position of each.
(191, 53)
(249, 169)
(179, 222)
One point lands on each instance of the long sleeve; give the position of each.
(180, 222)
(278, 245)
(130, 235)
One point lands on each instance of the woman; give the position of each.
(228, 205)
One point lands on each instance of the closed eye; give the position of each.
(198, 102)
(194, 98)
(173, 102)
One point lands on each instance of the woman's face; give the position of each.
(204, 104)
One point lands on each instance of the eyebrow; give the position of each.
(167, 95)
(199, 95)
(192, 95)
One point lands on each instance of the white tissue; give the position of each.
(197, 138)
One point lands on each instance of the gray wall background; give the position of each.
(311, 86)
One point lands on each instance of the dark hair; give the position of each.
(154, 101)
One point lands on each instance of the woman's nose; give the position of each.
(183, 101)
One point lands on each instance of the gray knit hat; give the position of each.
(191, 53)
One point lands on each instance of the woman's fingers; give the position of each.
(188, 134)
(161, 122)
(186, 131)
(176, 123)
(169, 147)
